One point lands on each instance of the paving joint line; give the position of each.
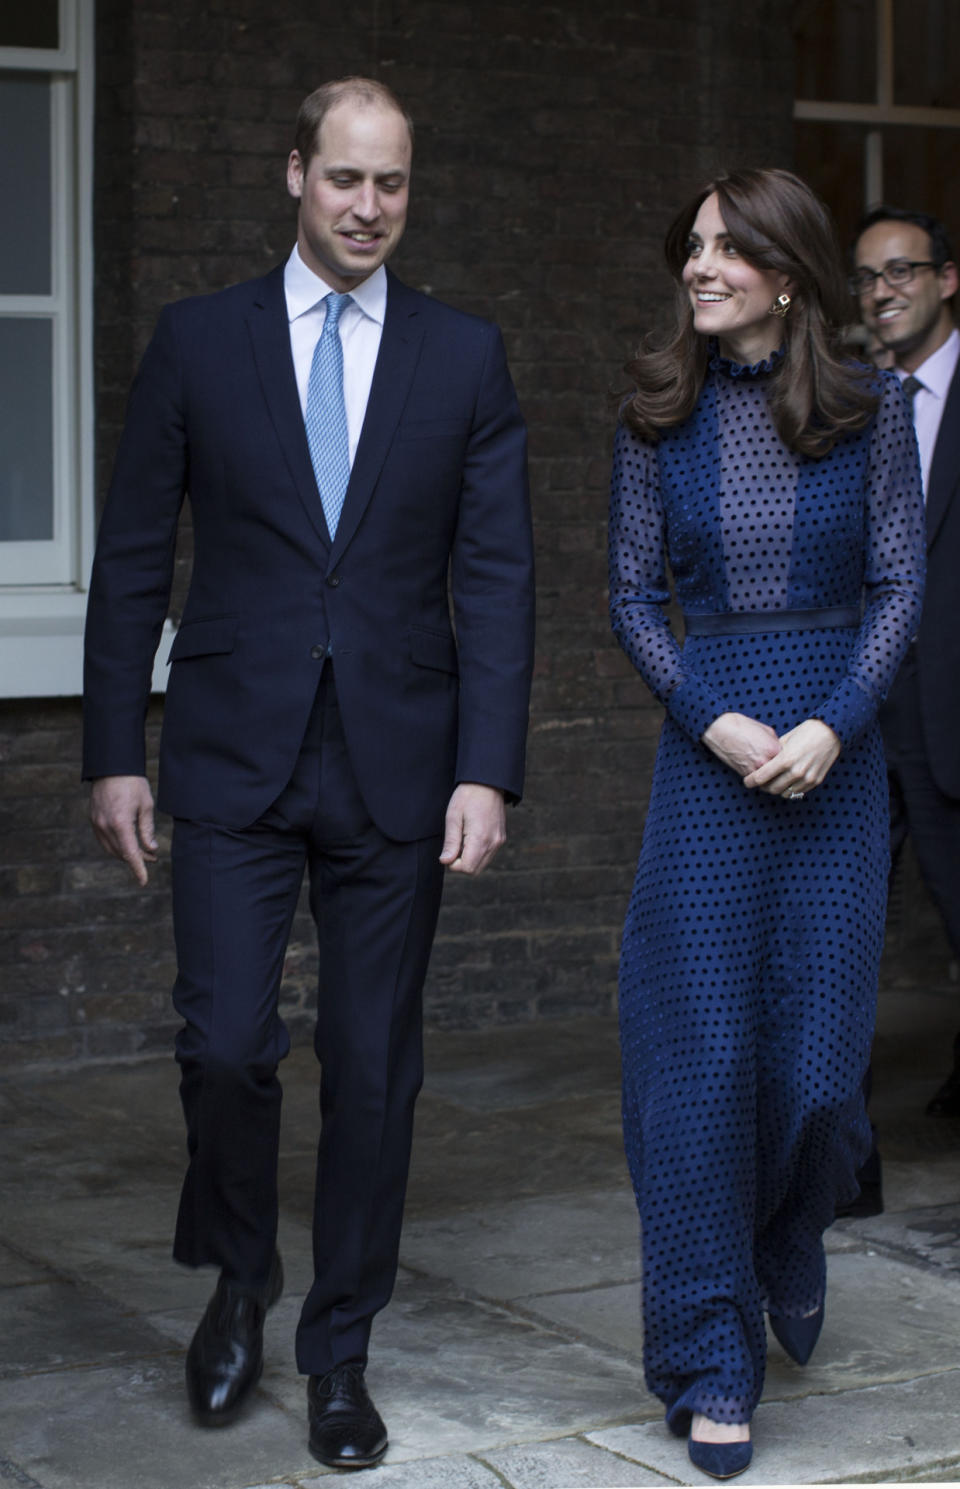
(501, 1478)
(12, 1473)
(623, 1457)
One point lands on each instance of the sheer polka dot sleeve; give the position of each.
(894, 551)
(639, 590)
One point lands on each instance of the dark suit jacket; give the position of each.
(438, 485)
(938, 640)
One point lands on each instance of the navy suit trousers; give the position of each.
(918, 808)
(375, 903)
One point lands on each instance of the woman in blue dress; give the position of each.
(779, 482)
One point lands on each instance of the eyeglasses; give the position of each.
(895, 272)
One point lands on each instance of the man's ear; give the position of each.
(295, 175)
(949, 279)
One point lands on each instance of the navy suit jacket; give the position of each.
(938, 639)
(437, 504)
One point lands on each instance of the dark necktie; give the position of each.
(911, 386)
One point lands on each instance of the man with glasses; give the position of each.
(905, 280)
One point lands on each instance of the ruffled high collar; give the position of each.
(726, 365)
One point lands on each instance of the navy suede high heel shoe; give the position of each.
(798, 1335)
(721, 1460)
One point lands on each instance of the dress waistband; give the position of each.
(753, 622)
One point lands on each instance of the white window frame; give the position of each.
(42, 613)
(54, 560)
(882, 111)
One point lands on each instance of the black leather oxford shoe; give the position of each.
(225, 1358)
(346, 1430)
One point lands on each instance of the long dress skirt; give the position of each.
(747, 1003)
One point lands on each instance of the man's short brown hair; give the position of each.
(315, 107)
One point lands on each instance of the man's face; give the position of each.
(913, 319)
(353, 194)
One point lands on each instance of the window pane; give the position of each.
(836, 51)
(830, 157)
(922, 172)
(925, 49)
(33, 25)
(25, 184)
(26, 429)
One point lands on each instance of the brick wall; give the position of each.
(554, 142)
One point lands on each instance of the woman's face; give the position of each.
(731, 298)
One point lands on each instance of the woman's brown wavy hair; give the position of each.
(816, 393)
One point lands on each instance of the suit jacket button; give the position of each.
(333, 581)
(318, 653)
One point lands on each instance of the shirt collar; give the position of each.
(936, 373)
(304, 289)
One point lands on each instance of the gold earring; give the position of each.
(781, 305)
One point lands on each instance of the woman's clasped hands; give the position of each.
(788, 765)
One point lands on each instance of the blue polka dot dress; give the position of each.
(753, 936)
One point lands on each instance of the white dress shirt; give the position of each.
(361, 327)
(936, 375)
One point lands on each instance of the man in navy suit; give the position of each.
(355, 462)
(907, 281)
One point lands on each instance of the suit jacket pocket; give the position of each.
(433, 649)
(204, 638)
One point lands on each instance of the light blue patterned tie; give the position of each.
(326, 415)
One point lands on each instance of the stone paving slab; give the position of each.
(907, 1430)
(932, 1234)
(122, 1428)
(53, 1325)
(16, 1268)
(117, 1096)
(917, 1184)
(455, 1472)
(570, 1463)
(531, 1246)
(97, 1170)
(484, 1072)
(94, 1131)
(460, 1157)
(842, 1236)
(120, 1242)
(609, 1315)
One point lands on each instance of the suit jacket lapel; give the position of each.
(945, 466)
(270, 335)
(392, 376)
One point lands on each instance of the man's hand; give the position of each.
(121, 810)
(476, 827)
(806, 754)
(741, 742)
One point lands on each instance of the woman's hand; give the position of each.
(740, 742)
(805, 756)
